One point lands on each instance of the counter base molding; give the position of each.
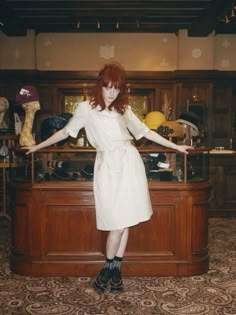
(54, 232)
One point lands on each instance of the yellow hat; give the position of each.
(154, 119)
(170, 128)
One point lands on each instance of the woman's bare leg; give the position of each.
(116, 243)
(115, 249)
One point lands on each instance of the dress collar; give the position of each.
(107, 112)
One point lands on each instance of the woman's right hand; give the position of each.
(30, 149)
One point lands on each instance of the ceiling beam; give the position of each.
(9, 23)
(206, 24)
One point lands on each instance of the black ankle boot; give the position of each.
(116, 281)
(102, 280)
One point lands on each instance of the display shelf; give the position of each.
(7, 143)
(161, 164)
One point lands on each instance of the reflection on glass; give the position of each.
(71, 102)
(139, 104)
(4, 152)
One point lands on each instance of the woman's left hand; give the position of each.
(184, 148)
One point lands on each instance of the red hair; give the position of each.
(114, 75)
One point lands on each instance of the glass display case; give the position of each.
(76, 164)
(54, 215)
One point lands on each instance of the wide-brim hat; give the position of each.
(66, 115)
(190, 117)
(194, 132)
(170, 128)
(50, 125)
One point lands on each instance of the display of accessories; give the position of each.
(59, 164)
(87, 171)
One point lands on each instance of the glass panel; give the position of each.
(77, 165)
(139, 104)
(164, 166)
(71, 102)
(198, 167)
(64, 166)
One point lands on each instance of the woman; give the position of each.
(120, 185)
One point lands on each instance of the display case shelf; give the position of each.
(70, 164)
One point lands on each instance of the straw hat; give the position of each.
(170, 128)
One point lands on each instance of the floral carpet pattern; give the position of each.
(213, 293)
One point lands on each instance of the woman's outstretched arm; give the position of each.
(155, 137)
(56, 137)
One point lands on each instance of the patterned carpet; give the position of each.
(213, 293)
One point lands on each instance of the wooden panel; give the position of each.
(223, 179)
(79, 237)
(229, 187)
(221, 99)
(222, 121)
(157, 196)
(62, 238)
(198, 92)
(221, 130)
(156, 237)
(68, 197)
(199, 235)
(20, 224)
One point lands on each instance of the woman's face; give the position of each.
(109, 93)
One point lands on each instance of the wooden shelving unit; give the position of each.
(10, 141)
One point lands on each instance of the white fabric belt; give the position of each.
(113, 156)
(113, 148)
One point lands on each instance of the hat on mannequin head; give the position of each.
(27, 94)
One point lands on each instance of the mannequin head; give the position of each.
(31, 107)
(4, 105)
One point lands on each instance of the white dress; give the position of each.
(120, 184)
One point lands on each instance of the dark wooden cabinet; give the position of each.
(222, 113)
(54, 232)
(222, 173)
(196, 97)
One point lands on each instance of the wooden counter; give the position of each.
(54, 231)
